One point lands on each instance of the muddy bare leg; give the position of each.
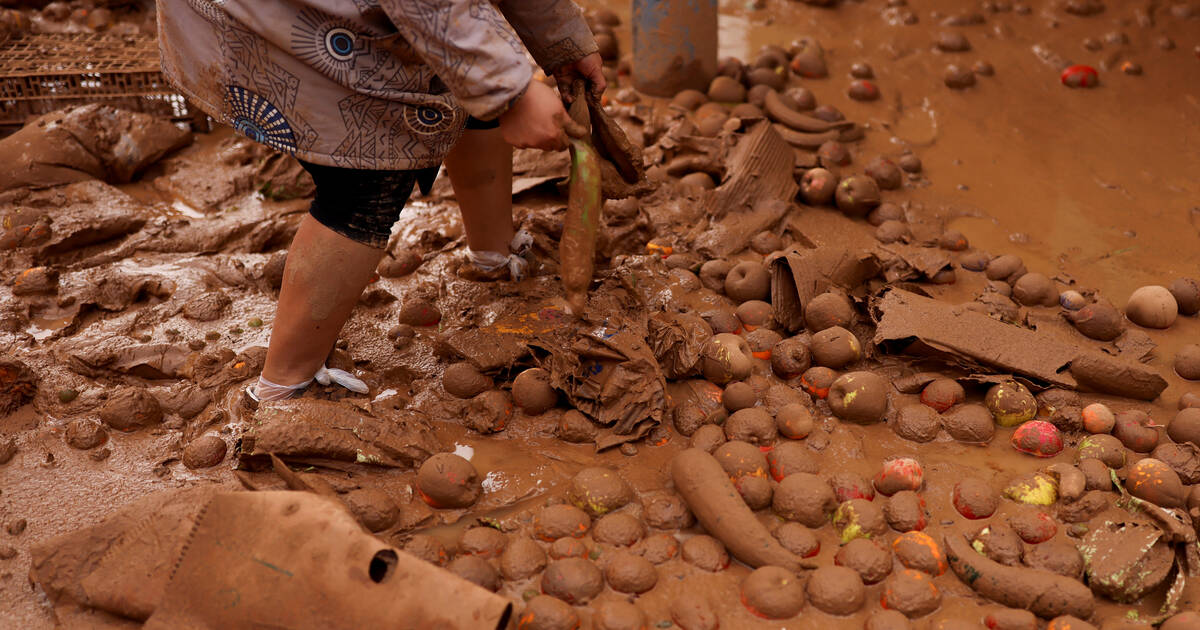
(325, 274)
(480, 168)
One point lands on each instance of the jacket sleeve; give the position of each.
(553, 30)
(470, 47)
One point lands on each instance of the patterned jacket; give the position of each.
(371, 84)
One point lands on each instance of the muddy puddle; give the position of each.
(133, 314)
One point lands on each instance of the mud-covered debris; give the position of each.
(57, 223)
(131, 408)
(609, 373)
(18, 384)
(8, 449)
(316, 431)
(908, 323)
(36, 280)
(677, 340)
(754, 196)
(207, 307)
(802, 274)
(1123, 561)
(85, 434)
(91, 141)
(123, 564)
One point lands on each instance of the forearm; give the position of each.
(468, 45)
(554, 31)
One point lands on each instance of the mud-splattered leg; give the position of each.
(325, 274)
(480, 168)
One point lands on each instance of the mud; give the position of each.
(128, 261)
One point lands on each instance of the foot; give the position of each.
(484, 266)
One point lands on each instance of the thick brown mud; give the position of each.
(139, 311)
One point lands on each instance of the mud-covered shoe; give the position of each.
(493, 266)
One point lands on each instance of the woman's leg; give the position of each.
(324, 277)
(480, 168)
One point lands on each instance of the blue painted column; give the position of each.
(674, 45)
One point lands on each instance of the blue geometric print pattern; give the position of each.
(256, 118)
(326, 43)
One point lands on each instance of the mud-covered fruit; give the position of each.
(790, 358)
(713, 273)
(1098, 418)
(974, 498)
(1079, 76)
(1010, 403)
(447, 480)
(463, 380)
(1136, 431)
(942, 394)
(899, 473)
(532, 391)
(1185, 427)
(748, 281)
(1187, 295)
(1033, 525)
(773, 593)
(859, 518)
(835, 347)
(859, 397)
(1103, 447)
(1038, 438)
(794, 421)
(918, 550)
(910, 592)
(1152, 307)
(1187, 362)
(1035, 289)
(817, 380)
(818, 186)
(857, 195)
(828, 310)
(1035, 489)
(836, 590)
(725, 358)
(1154, 481)
(725, 89)
(1071, 300)
(1098, 320)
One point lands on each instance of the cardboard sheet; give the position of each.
(908, 323)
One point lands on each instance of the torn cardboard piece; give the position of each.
(758, 191)
(902, 262)
(730, 234)
(907, 323)
(120, 566)
(609, 373)
(307, 430)
(208, 558)
(804, 273)
(297, 560)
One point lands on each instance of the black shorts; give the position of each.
(362, 204)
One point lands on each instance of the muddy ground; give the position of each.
(166, 285)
